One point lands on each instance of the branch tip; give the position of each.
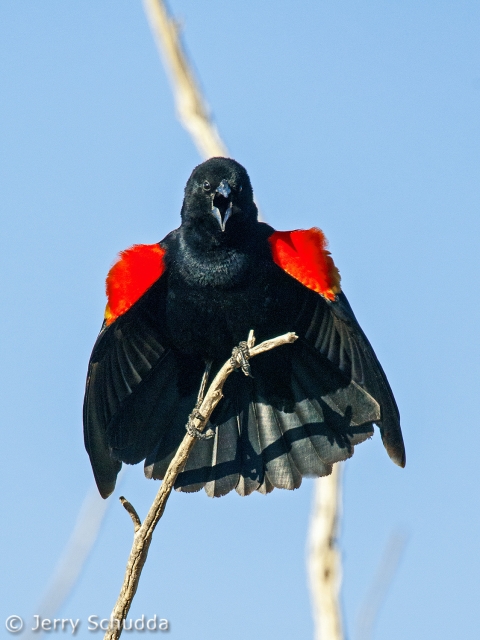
(137, 523)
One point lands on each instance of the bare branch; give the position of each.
(324, 561)
(191, 106)
(143, 535)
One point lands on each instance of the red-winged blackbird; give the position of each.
(176, 305)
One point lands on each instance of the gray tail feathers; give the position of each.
(265, 439)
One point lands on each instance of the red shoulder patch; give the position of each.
(138, 268)
(304, 256)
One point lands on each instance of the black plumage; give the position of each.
(306, 405)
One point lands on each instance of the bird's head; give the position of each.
(219, 199)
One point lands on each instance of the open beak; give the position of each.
(221, 204)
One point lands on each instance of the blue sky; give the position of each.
(358, 117)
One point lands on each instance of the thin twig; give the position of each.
(137, 523)
(324, 561)
(143, 536)
(381, 583)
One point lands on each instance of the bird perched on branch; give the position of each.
(176, 306)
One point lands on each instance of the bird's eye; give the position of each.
(206, 186)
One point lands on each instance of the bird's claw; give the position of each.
(240, 358)
(194, 431)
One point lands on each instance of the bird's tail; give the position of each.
(289, 421)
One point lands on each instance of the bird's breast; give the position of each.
(211, 310)
(205, 316)
(222, 267)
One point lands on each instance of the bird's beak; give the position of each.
(221, 204)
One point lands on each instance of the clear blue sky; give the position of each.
(359, 117)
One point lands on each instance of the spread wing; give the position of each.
(328, 325)
(140, 392)
(133, 376)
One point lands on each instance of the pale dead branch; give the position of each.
(324, 560)
(143, 533)
(191, 106)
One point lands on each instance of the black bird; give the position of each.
(187, 301)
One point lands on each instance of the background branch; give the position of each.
(191, 106)
(324, 560)
(74, 556)
(382, 580)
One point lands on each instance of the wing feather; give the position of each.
(342, 342)
(117, 411)
(328, 324)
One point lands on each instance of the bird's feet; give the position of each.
(240, 358)
(193, 430)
